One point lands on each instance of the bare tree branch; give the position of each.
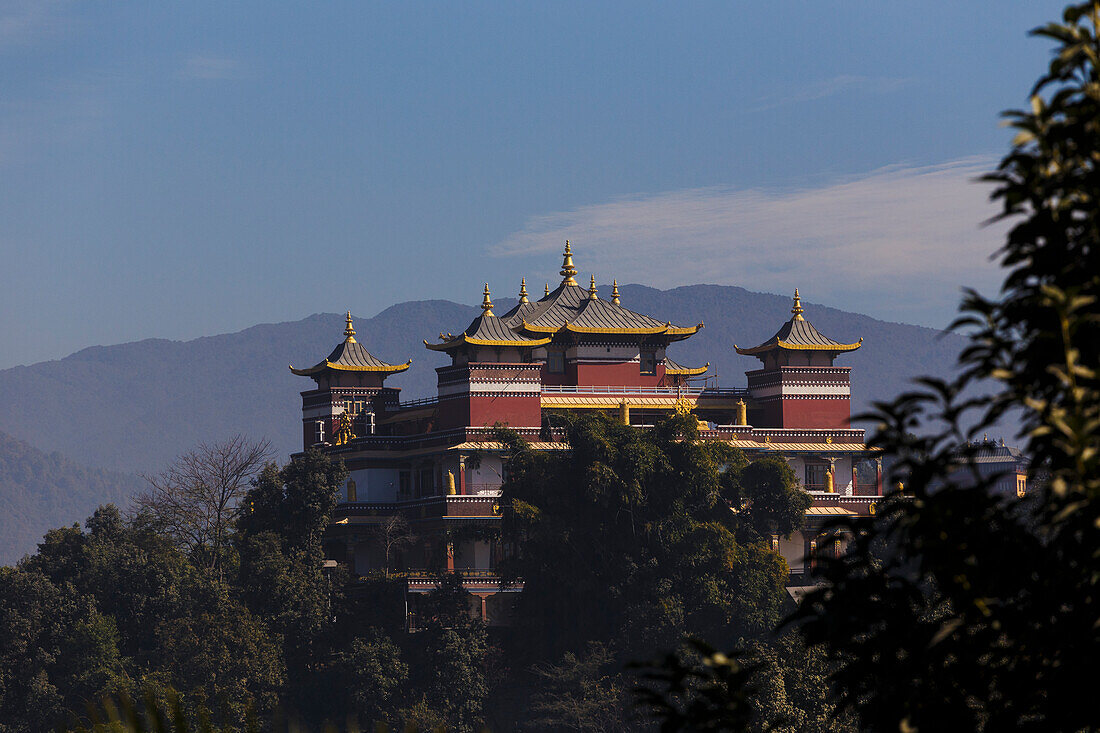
(197, 497)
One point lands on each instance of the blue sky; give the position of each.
(177, 170)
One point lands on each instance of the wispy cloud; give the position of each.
(26, 21)
(212, 68)
(898, 243)
(837, 85)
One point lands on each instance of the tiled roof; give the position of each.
(672, 367)
(351, 356)
(569, 308)
(799, 334)
(487, 330)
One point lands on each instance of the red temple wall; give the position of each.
(623, 373)
(822, 413)
(513, 410)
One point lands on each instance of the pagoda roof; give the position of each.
(520, 310)
(798, 334)
(351, 356)
(672, 367)
(569, 308)
(488, 329)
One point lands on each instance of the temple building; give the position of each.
(435, 462)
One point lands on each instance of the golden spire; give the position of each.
(592, 289)
(523, 290)
(797, 309)
(349, 331)
(547, 293)
(567, 269)
(615, 292)
(486, 303)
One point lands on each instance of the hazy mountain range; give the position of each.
(132, 408)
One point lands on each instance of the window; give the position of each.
(404, 483)
(319, 432)
(427, 482)
(649, 362)
(555, 362)
(351, 491)
(815, 476)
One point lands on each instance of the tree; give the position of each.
(197, 497)
(295, 502)
(629, 538)
(957, 606)
(393, 534)
(583, 692)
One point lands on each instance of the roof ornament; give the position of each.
(567, 270)
(523, 290)
(547, 293)
(349, 330)
(615, 292)
(487, 304)
(797, 309)
(592, 289)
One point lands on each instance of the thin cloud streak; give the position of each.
(898, 243)
(212, 68)
(832, 87)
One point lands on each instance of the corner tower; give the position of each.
(350, 393)
(798, 386)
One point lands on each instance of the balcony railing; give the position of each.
(630, 389)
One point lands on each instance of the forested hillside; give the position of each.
(40, 490)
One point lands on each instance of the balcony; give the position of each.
(630, 389)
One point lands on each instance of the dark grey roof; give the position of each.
(350, 355)
(798, 333)
(558, 308)
(519, 312)
(354, 354)
(674, 367)
(569, 307)
(487, 330)
(604, 315)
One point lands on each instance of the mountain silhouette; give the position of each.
(133, 407)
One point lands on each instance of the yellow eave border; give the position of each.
(447, 345)
(326, 364)
(688, 371)
(798, 347)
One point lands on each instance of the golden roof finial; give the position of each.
(523, 290)
(486, 303)
(615, 292)
(349, 331)
(547, 293)
(797, 309)
(592, 289)
(567, 270)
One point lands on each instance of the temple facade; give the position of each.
(435, 463)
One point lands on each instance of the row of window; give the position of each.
(555, 362)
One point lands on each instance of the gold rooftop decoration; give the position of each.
(568, 271)
(523, 290)
(349, 330)
(797, 309)
(615, 292)
(486, 303)
(592, 289)
(547, 293)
